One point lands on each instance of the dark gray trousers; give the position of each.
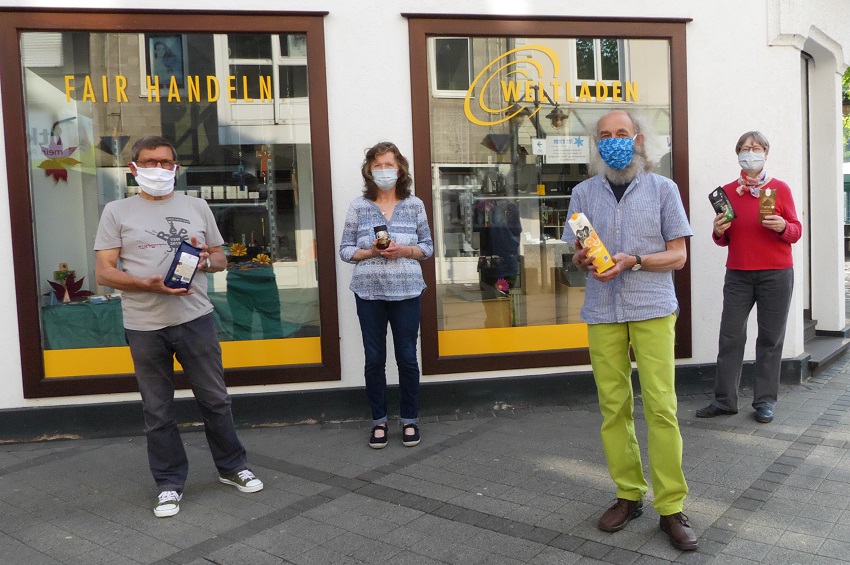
(195, 344)
(770, 291)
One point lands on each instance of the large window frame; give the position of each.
(421, 27)
(12, 24)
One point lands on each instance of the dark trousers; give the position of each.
(403, 318)
(195, 344)
(770, 291)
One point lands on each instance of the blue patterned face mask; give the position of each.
(617, 152)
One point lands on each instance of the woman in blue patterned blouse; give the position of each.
(387, 283)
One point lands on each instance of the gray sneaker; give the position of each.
(244, 480)
(168, 504)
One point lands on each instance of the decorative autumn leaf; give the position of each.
(72, 287)
(57, 172)
(57, 159)
(58, 290)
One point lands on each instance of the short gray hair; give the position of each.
(757, 137)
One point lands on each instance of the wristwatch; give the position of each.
(636, 266)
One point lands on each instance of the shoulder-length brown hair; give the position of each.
(402, 187)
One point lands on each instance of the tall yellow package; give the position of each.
(588, 237)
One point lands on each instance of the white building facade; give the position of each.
(271, 113)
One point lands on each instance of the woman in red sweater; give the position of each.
(760, 272)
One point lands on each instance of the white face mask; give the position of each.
(385, 178)
(156, 181)
(751, 161)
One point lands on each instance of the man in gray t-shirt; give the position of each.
(143, 232)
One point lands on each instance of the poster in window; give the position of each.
(165, 57)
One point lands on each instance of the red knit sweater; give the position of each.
(753, 247)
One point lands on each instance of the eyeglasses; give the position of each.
(153, 163)
(753, 148)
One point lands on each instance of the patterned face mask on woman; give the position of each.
(617, 152)
(385, 178)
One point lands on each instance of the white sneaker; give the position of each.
(168, 504)
(244, 480)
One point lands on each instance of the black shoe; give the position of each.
(410, 440)
(764, 414)
(378, 442)
(711, 411)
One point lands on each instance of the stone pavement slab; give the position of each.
(508, 486)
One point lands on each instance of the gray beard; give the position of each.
(624, 176)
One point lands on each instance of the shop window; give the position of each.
(83, 113)
(504, 159)
(450, 67)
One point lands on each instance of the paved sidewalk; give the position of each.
(512, 486)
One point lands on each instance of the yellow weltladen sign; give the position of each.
(518, 86)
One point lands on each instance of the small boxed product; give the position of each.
(183, 267)
(767, 203)
(722, 204)
(588, 237)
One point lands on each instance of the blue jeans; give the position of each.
(403, 318)
(770, 292)
(197, 349)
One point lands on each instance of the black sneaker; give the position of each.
(376, 442)
(244, 480)
(167, 504)
(410, 440)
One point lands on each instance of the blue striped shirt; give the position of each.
(378, 278)
(648, 216)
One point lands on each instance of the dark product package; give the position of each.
(721, 204)
(382, 237)
(183, 267)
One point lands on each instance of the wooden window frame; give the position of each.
(15, 21)
(423, 26)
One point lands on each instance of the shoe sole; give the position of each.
(764, 420)
(411, 443)
(166, 513)
(378, 445)
(724, 413)
(632, 516)
(240, 487)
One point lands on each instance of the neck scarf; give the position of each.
(752, 184)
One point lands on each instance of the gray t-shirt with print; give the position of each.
(148, 233)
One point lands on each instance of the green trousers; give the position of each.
(652, 341)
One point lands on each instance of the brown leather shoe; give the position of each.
(681, 533)
(615, 518)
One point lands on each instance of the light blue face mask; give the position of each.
(617, 152)
(385, 178)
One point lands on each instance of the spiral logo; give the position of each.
(492, 71)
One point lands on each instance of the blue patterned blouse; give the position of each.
(378, 278)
